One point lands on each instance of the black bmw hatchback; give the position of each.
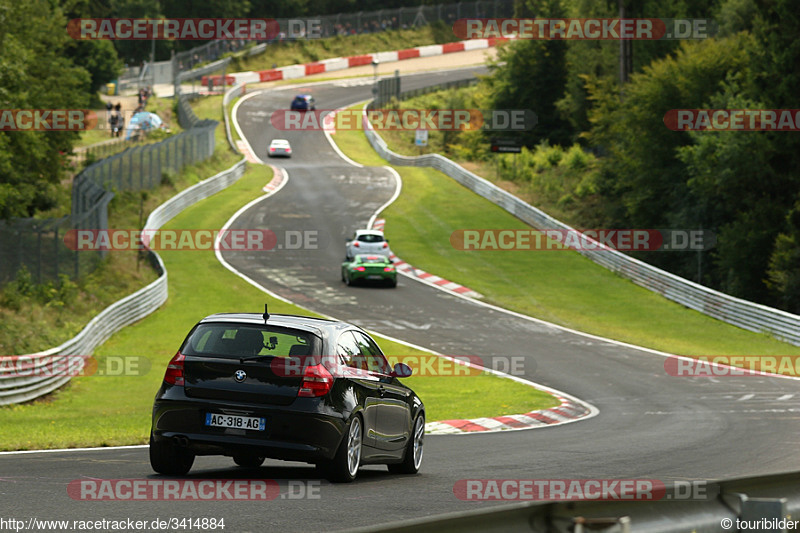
(254, 386)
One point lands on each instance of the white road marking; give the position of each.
(379, 181)
(310, 286)
(354, 82)
(394, 324)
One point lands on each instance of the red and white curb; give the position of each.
(342, 63)
(278, 177)
(568, 411)
(404, 268)
(245, 150)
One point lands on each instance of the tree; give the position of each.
(533, 77)
(133, 53)
(99, 57)
(784, 264)
(733, 174)
(35, 74)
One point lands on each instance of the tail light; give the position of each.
(317, 381)
(388, 269)
(174, 373)
(385, 244)
(356, 244)
(272, 149)
(288, 150)
(361, 269)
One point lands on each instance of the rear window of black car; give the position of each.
(239, 340)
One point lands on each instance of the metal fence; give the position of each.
(406, 17)
(101, 150)
(187, 118)
(455, 84)
(347, 24)
(17, 387)
(143, 167)
(135, 169)
(382, 100)
(748, 315)
(39, 244)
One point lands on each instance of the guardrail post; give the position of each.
(603, 525)
(39, 256)
(771, 509)
(76, 261)
(55, 252)
(141, 167)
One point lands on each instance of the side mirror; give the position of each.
(401, 370)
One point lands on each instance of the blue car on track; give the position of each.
(303, 102)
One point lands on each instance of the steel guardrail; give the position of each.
(742, 313)
(772, 497)
(236, 90)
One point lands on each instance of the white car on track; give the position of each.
(279, 147)
(367, 241)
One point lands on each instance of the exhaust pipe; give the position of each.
(181, 441)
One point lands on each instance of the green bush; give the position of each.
(546, 157)
(52, 293)
(576, 158)
(168, 177)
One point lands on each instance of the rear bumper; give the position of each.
(364, 276)
(290, 434)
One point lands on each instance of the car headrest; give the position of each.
(249, 341)
(299, 349)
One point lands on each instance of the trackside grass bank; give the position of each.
(559, 286)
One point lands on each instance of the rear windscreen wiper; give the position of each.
(254, 357)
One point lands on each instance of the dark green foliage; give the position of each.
(784, 264)
(35, 74)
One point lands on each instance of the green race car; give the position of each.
(366, 267)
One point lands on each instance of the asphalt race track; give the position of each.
(650, 425)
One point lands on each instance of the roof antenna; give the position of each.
(265, 316)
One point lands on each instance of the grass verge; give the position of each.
(559, 286)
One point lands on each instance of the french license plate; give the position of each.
(374, 276)
(238, 422)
